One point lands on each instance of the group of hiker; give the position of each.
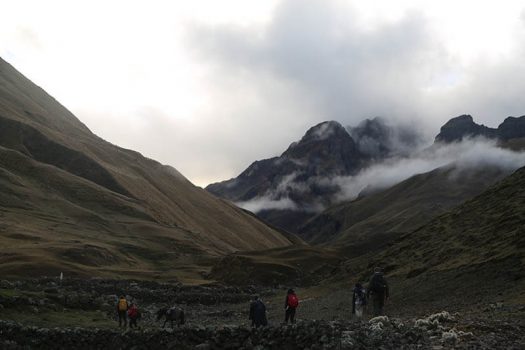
(377, 291)
(258, 310)
(125, 311)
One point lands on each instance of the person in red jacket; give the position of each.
(290, 305)
(133, 315)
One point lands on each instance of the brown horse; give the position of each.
(173, 314)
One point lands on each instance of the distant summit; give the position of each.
(464, 126)
(285, 190)
(377, 139)
(512, 128)
(289, 189)
(326, 148)
(310, 175)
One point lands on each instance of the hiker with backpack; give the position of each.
(290, 304)
(122, 308)
(359, 300)
(133, 315)
(258, 313)
(378, 288)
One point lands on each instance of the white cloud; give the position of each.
(266, 203)
(468, 154)
(203, 85)
(463, 156)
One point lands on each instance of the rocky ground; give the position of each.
(80, 313)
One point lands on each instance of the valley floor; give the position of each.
(81, 314)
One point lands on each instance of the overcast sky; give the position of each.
(210, 86)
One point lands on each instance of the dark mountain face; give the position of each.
(295, 179)
(464, 126)
(325, 149)
(289, 190)
(378, 216)
(512, 128)
(376, 139)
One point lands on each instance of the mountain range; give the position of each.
(299, 191)
(288, 190)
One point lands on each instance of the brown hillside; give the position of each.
(72, 201)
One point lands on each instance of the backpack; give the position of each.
(122, 305)
(360, 296)
(377, 284)
(133, 312)
(259, 308)
(293, 301)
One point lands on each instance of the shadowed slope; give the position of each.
(473, 252)
(374, 219)
(487, 228)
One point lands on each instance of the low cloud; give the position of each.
(380, 137)
(279, 196)
(467, 155)
(324, 131)
(470, 154)
(267, 203)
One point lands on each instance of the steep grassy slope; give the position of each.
(70, 201)
(476, 249)
(369, 221)
(487, 228)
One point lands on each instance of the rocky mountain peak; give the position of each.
(325, 132)
(327, 147)
(512, 128)
(463, 126)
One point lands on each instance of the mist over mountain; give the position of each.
(379, 139)
(332, 164)
(289, 183)
(377, 217)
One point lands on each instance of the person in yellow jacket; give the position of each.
(122, 309)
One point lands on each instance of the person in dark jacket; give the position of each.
(258, 313)
(359, 300)
(290, 305)
(378, 288)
